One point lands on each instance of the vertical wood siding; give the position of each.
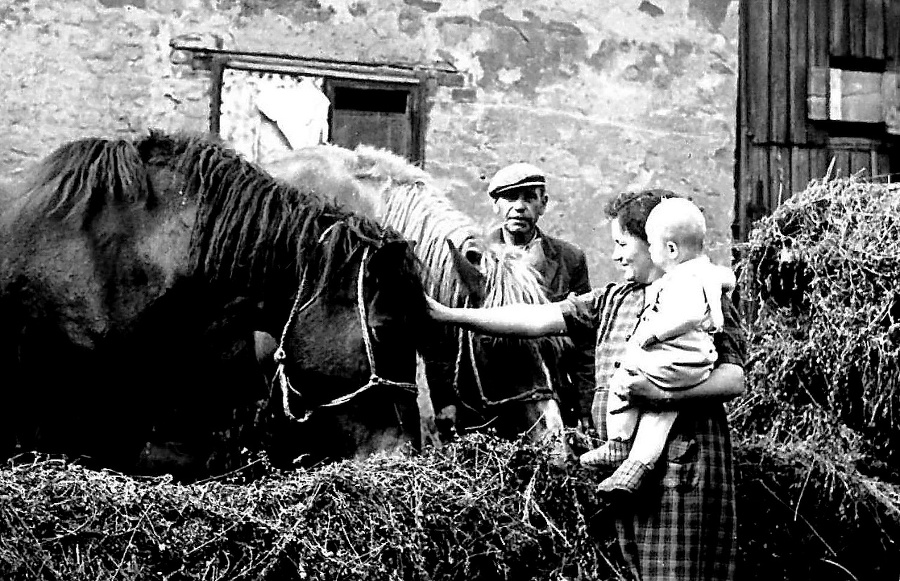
(779, 150)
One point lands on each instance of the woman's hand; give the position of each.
(637, 390)
(435, 309)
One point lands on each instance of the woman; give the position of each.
(681, 526)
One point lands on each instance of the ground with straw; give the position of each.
(480, 509)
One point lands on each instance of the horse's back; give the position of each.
(325, 170)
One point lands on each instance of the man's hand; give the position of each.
(584, 425)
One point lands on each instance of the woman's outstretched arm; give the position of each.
(519, 320)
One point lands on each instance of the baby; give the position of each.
(671, 346)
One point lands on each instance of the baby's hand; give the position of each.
(620, 386)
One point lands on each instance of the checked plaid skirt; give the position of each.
(682, 525)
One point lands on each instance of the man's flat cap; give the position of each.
(517, 175)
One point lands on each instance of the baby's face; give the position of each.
(659, 248)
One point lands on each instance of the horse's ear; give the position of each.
(470, 276)
(156, 146)
(473, 250)
(391, 253)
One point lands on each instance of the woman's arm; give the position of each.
(519, 320)
(725, 383)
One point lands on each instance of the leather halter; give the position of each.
(280, 355)
(466, 339)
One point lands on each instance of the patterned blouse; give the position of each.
(683, 526)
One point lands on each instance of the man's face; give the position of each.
(521, 209)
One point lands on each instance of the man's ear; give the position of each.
(543, 207)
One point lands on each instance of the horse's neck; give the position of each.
(373, 197)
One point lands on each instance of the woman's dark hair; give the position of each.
(632, 208)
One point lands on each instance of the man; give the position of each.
(520, 199)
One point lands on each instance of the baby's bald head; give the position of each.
(678, 220)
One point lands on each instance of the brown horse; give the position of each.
(134, 275)
(506, 384)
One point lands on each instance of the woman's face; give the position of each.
(633, 256)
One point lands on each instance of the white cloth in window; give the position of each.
(300, 112)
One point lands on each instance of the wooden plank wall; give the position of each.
(778, 149)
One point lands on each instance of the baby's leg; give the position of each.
(651, 436)
(649, 441)
(621, 421)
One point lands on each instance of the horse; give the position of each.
(502, 383)
(136, 280)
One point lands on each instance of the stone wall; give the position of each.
(606, 95)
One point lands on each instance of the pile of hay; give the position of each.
(481, 509)
(820, 285)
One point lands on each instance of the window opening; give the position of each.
(374, 100)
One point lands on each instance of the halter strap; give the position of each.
(296, 309)
(465, 344)
(374, 378)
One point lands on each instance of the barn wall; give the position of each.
(604, 94)
(787, 136)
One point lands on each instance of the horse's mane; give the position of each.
(415, 206)
(79, 178)
(511, 279)
(248, 224)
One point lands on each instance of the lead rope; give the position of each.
(374, 378)
(283, 381)
(466, 339)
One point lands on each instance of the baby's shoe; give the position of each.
(610, 453)
(625, 481)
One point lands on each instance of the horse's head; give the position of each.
(347, 349)
(338, 292)
(507, 383)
